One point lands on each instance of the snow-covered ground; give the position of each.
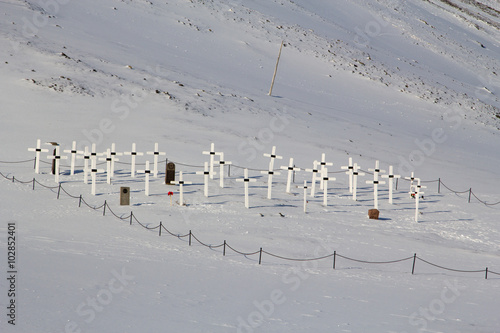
(413, 84)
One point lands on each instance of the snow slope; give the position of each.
(413, 84)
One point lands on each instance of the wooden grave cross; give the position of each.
(323, 164)
(109, 160)
(57, 157)
(37, 151)
(355, 174)
(270, 174)
(391, 177)
(305, 196)
(133, 153)
(113, 158)
(349, 169)
(221, 170)
(271, 171)
(212, 154)
(181, 184)
(156, 153)
(291, 168)
(73, 153)
(314, 171)
(246, 180)
(206, 173)
(273, 156)
(411, 179)
(147, 172)
(86, 170)
(93, 157)
(375, 183)
(325, 179)
(416, 195)
(94, 171)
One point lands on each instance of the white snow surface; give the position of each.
(413, 84)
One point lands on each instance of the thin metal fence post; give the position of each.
(414, 260)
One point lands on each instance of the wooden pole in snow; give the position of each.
(275, 70)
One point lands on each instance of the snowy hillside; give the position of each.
(413, 84)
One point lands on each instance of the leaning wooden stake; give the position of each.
(275, 70)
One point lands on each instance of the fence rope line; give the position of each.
(296, 259)
(207, 245)
(15, 162)
(451, 269)
(335, 254)
(374, 262)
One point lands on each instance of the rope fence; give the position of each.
(105, 207)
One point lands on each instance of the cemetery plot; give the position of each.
(319, 173)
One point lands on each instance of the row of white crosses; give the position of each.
(322, 173)
(92, 157)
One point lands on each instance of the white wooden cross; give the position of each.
(323, 164)
(375, 183)
(221, 166)
(94, 170)
(271, 171)
(416, 194)
(86, 158)
(391, 177)
(355, 174)
(270, 181)
(37, 151)
(147, 172)
(181, 184)
(246, 180)
(305, 196)
(273, 156)
(349, 169)
(314, 171)
(73, 153)
(156, 153)
(206, 173)
(291, 168)
(113, 158)
(93, 156)
(57, 157)
(325, 179)
(109, 160)
(411, 179)
(212, 154)
(133, 153)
